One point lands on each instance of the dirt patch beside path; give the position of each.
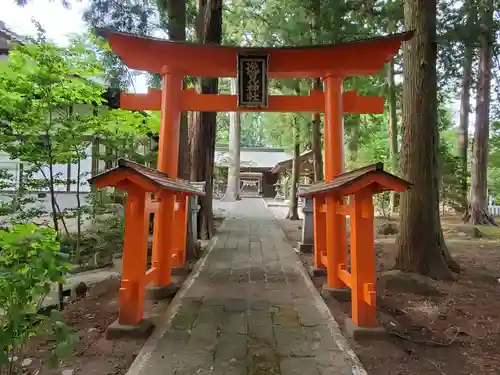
(88, 319)
(456, 333)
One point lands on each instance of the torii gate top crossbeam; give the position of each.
(361, 57)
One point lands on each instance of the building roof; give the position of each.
(305, 160)
(7, 36)
(350, 182)
(252, 157)
(154, 177)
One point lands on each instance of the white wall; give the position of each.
(61, 170)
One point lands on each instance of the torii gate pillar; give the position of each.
(335, 241)
(168, 157)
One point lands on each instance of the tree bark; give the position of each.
(233, 176)
(293, 212)
(421, 248)
(463, 136)
(316, 147)
(354, 141)
(463, 141)
(202, 157)
(78, 211)
(173, 20)
(209, 30)
(393, 129)
(316, 85)
(478, 203)
(53, 204)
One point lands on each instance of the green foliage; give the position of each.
(52, 112)
(40, 87)
(450, 172)
(127, 132)
(494, 161)
(21, 206)
(127, 16)
(30, 261)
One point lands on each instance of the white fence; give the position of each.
(494, 210)
(493, 207)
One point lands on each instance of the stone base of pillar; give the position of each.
(141, 330)
(229, 198)
(158, 293)
(306, 248)
(362, 333)
(317, 272)
(343, 295)
(181, 271)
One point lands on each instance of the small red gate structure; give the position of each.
(330, 249)
(140, 182)
(174, 61)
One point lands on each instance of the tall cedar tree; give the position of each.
(463, 139)
(293, 208)
(204, 127)
(421, 244)
(173, 19)
(478, 204)
(316, 85)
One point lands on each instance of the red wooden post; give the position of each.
(180, 231)
(336, 247)
(163, 239)
(168, 155)
(363, 261)
(336, 244)
(131, 297)
(319, 233)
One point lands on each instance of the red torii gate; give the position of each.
(175, 60)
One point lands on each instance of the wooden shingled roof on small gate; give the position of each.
(155, 177)
(346, 180)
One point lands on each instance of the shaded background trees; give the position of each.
(466, 26)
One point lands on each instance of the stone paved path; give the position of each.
(249, 311)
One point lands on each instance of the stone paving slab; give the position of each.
(248, 310)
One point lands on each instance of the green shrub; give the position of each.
(30, 261)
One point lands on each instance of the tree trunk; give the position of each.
(463, 141)
(478, 204)
(463, 137)
(53, 204)
(393, 129)
(209, 30)
(173, 19)
(78, 211)
(316, 147)
(202, 157)
(354, 141)
(52, 193)
(316, 85)
(421, 248)
(293, 212)
(177, 31)
(176, 12)
(233, 177)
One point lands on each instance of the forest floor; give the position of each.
(455, 333)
